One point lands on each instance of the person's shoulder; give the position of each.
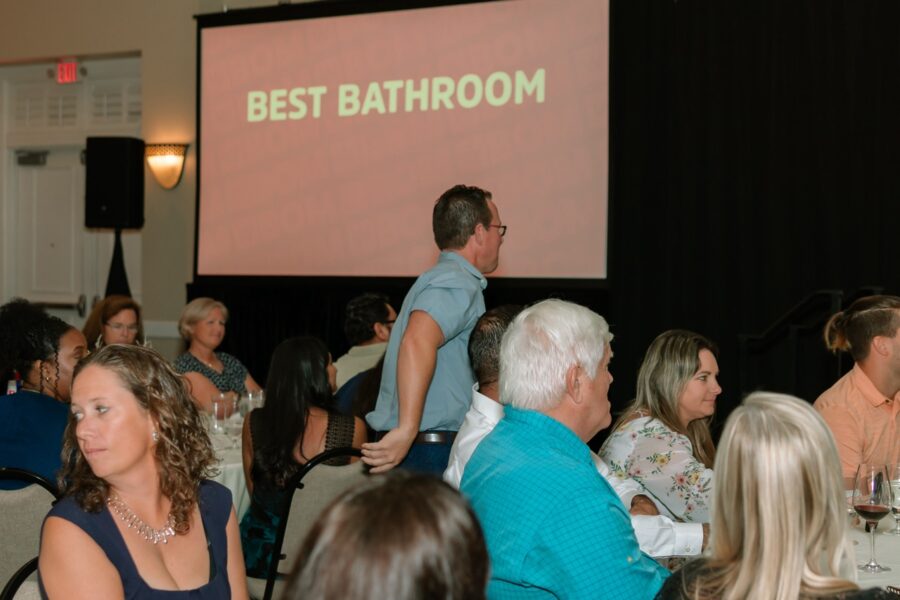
(215, 499)
(70, 510)
(837, 394)
(228, 358)
(214, 491)
(184, 362)
(64, 506)
(450, 273)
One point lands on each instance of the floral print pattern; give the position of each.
(662, 461)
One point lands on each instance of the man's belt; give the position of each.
(427, 437)
(435, 437)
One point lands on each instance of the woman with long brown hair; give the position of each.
(662, 440)
(139, 518)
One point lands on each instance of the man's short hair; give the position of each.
(361, 315)
(484, 342)
(540, 346)
(456, 213)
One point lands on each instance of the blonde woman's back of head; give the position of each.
(779, 520)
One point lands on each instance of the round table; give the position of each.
(887, 552)
(231, 472)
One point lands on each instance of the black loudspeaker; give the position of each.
(114, 178)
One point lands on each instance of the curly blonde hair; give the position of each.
(184, 455)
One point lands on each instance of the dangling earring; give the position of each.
(99, 343)
(155, 436)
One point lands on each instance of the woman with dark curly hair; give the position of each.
(38, 352)
(296, 424)
(139, 519)
(114, 320)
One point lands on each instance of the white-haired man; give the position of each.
(554, 527)
(657, 535)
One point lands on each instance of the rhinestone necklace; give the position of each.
(135, 522)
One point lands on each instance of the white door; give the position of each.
(58, 261)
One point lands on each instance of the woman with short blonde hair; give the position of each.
(779, 529)
(202, 327)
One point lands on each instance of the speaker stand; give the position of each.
(117, 282)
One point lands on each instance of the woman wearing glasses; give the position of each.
(114, 320)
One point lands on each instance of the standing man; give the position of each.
(863, 408)
(426, 385)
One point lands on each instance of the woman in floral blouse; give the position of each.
(662, 440)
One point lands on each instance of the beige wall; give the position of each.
(164, 33)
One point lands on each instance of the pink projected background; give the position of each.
(352, 195)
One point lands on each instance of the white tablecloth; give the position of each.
(887, 552)
(231, 473)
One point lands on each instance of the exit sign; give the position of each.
(66, 72)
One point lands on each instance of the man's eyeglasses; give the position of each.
(502, 229)
(390, 324)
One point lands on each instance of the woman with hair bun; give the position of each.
(777, 533)
(662, 440)
(863, 407)
(38, 352)
(114, 320)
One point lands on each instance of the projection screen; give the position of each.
(324, 141)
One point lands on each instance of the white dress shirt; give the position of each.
(658, 536)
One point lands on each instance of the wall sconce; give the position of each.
(167, 162)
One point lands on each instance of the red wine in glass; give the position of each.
(872, 500)
(872, 513)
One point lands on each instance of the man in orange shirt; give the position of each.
(863, 408)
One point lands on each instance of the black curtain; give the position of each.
(752, 161)
(752, 150)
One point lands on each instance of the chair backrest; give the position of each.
(21, 514)
(316, 486)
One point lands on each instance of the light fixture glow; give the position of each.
(167, 162)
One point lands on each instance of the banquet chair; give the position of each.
(22, 512)
(315, 486)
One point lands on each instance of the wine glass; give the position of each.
(872, 501)
(894, 472)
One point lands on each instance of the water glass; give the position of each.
(894, 471)
(218, 414)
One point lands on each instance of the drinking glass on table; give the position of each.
(234, 424)
(219, 411)
(254, 400)
(872, 500)
(894, 472)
